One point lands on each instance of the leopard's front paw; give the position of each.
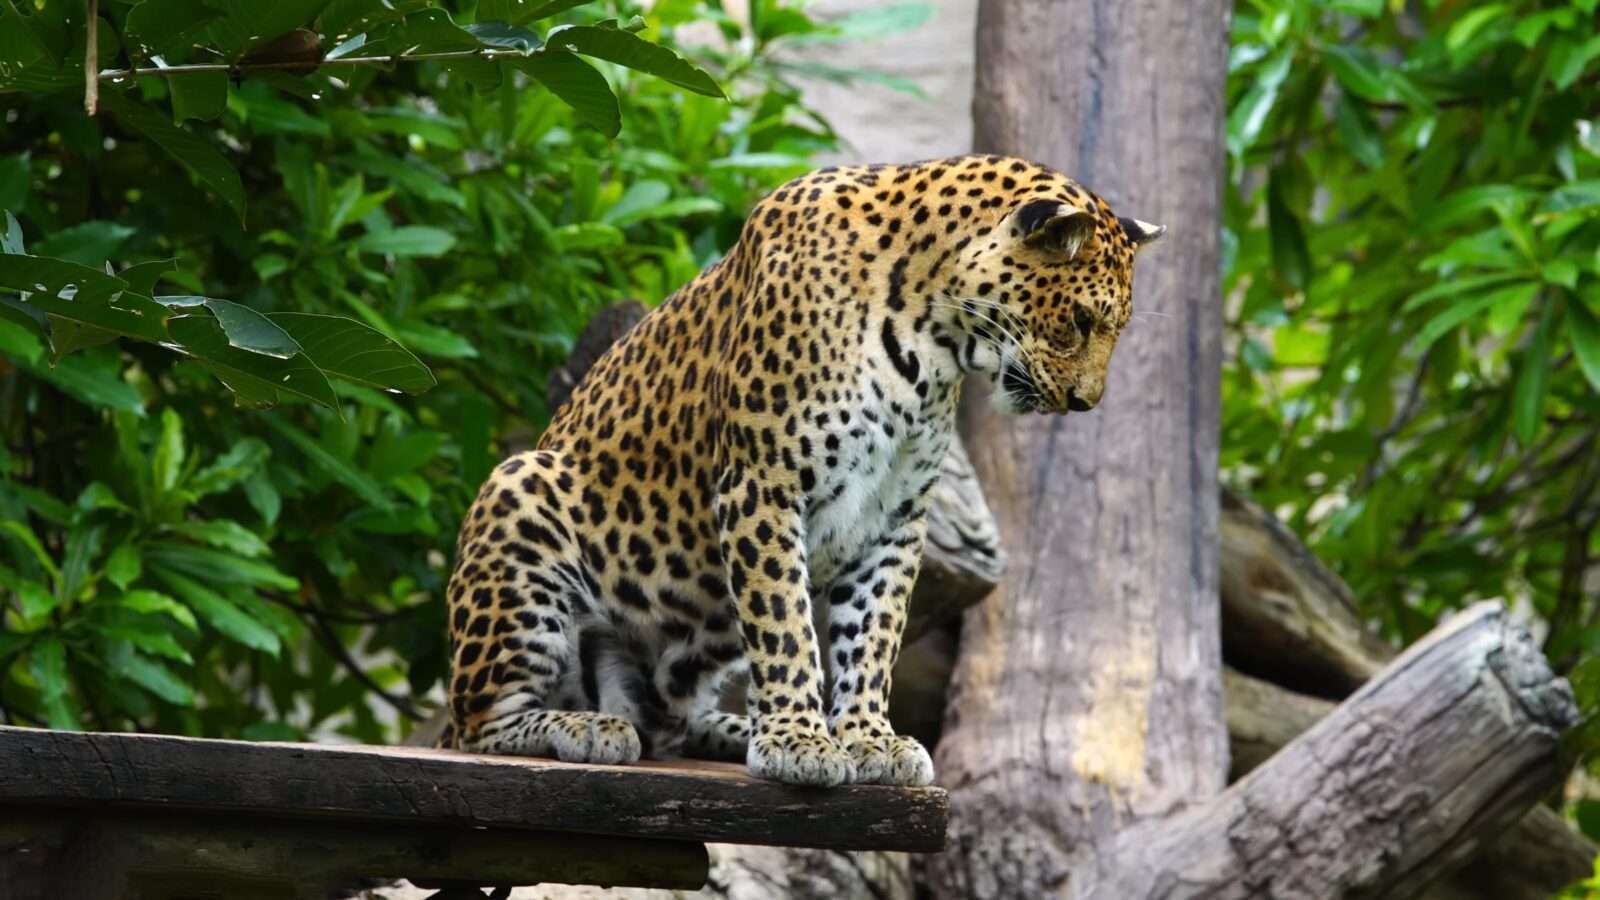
(799, 757)
(891, 759)
(587, 737)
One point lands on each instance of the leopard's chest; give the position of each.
(876, 465)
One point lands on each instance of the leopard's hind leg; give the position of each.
(516, 600)
(713, 734)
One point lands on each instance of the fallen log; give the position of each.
(1286, 617)
(1428, 762)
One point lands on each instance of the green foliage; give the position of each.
(171, 561)
(1414, 313)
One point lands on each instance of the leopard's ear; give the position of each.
(1056, 226)
(1141, 232)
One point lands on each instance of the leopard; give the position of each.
(735, 496)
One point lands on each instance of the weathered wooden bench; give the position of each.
(87, 815)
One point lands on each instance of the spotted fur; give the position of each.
(737, 488)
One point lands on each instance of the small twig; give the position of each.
(240, 68)
(91, 61)
(377, 618)
(331, 643)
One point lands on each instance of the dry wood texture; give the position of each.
(690, 802)
(1285, 614)
(1439, 752)
(1088, 691)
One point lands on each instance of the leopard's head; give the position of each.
(1045, 295)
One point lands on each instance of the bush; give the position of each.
(181, 558)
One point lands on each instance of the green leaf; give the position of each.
(345, 18)
(1583, 329)
(1466, 27)
(25, 536)
(503, 36)
(639, 195)
(166, 464)
(11, 241)
(165, 27)
(1359, 71)
(254, 377)
(1249, 115)
(364, 487)
(142, 277)
(243, 459)
(15, 178)
(431, 31)
(355, 352)
(1290, 256)
(1528, 403)
(1578, 196)
(248, 24)
(245, 328)
(48, 666)
(414, 176)
(263, 497)
(153, 675)
(155, 603)
(194, 153)
(432, 340)
(95, 380)
(216, 567)
(99, 496)
(124, 565)
(1569, 64)
(1466, 309)
(633, 52)
(519, 12)
(587, 236)
(199, 95)
(58, 279)
(408, 240)
(88, 243)
(35, 600)
(224, 535)
(1457, 287)
(1471, 201)
(577, 84)
(161, 643)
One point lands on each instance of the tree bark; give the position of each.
(1438, 753)
(1532, 860)
(1087, 694)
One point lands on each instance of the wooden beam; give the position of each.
(82, 855)
(686, 801)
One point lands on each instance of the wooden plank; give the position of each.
(688, 801)
(83, 855)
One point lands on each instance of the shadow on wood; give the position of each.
(79, 855)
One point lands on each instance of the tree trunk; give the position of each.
(1087, 694)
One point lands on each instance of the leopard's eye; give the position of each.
(1082, 318)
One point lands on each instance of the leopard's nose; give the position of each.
(1076, 403)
